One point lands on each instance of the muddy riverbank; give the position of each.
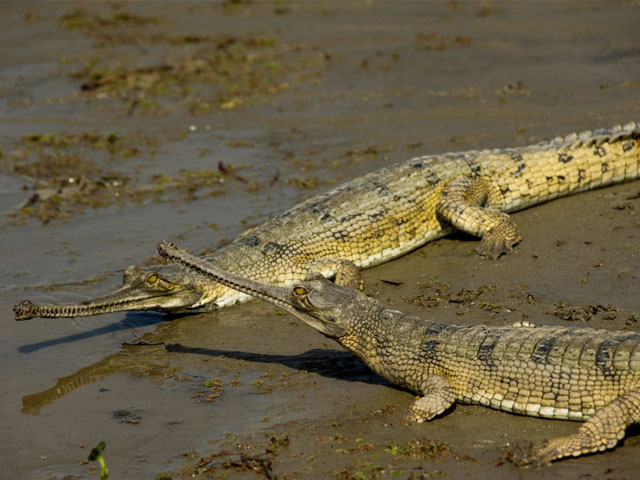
(125, 124)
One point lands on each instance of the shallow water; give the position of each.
(367, 84)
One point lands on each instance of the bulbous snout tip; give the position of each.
(23, 310)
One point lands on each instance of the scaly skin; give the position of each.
(552, 372)
(382, 215)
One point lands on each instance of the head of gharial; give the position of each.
(334, 310)
(164, 288)
(350, 317)
(169, 288)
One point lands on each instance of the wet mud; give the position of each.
(126, 124)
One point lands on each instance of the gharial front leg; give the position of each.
(346, 272)
(600, 432)
(473, 206)
(438, 396)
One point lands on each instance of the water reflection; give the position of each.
(154, 360)
(126, 361)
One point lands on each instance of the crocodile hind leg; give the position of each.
(600, 432)
(438, 396)
(346, 272)
(473, 206)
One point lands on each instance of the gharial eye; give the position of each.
(300, 291)
(153, 278)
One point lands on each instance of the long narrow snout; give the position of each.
(135, 294)
(279, 296)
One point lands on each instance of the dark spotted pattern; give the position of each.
(582, 174)
(429, 349)
(438, 328)
(542, 349)
(485, 350)
(604, 357)
(251, 241)
(516, 157)
(271, 248)
(432, 178)
(381, 189)
(564, 157)
(475, 168)
(628, 145)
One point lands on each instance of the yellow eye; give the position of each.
(153, 278)
(300, 291)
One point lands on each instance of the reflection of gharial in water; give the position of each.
(548, 371)
(122, 362)
(382, 215)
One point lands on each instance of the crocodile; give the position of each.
(382, 215)
(570, 373)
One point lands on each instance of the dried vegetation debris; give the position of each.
(575, 313)
(69, 172)
(433, 41)
(81, 20)
(365, 460)
(484, 297)
(245, 457)
(199, 72)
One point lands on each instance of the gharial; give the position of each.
(554, 372)
(382, 215)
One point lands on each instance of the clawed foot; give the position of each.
(346, 272)
(499, 241)
(439, 396)
(418, 415)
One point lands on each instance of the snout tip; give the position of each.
(165, 247)
(23, 310)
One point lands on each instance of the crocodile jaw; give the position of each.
(179, 298)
